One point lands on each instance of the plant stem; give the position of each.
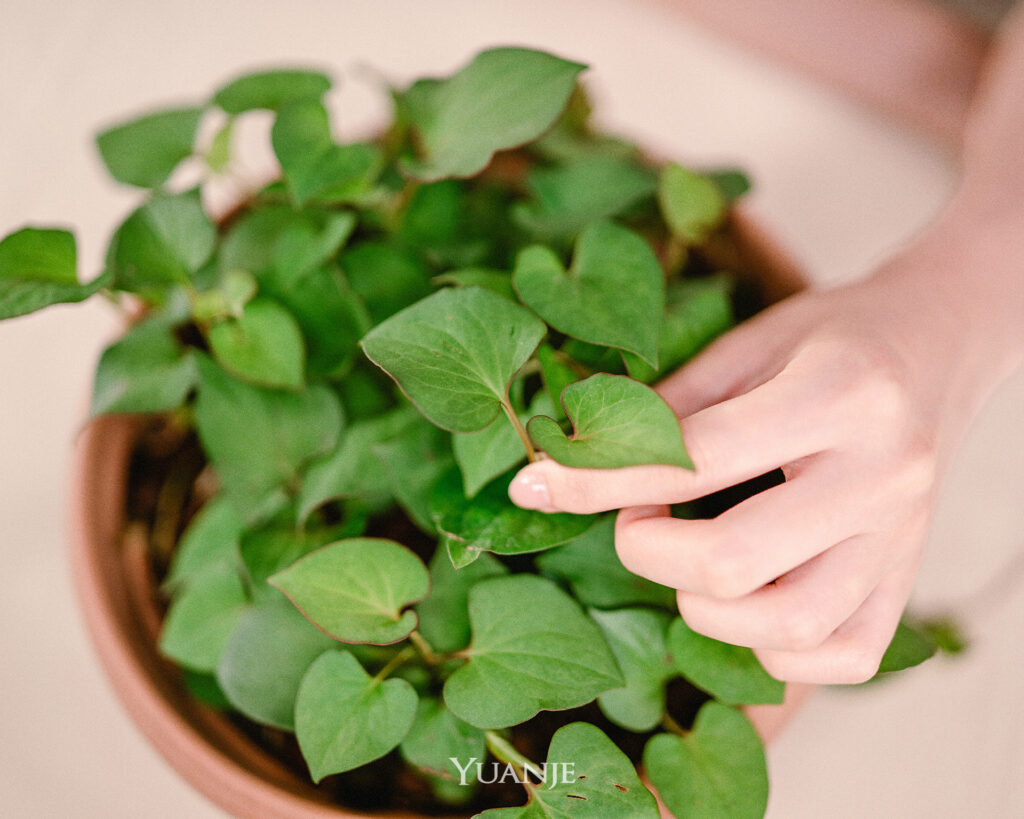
(423, 647)
(531, 453)
(394, 662)
(504, 751)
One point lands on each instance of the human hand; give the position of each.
(859, 395)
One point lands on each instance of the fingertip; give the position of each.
(529, 488)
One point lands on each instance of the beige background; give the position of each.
(839, 187)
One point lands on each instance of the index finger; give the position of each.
(772, 425)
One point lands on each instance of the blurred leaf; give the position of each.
(909, 647)
(271, 90)
(692, 204)
(146, 150)
(263, 345)
(505, 97)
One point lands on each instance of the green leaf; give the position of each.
(271, 549)
(612, 295)
(353, 468)
(414, 460)
(258, 439)
(637, 639)
(698, 311)
(357, 590)
(387, 277)
(497, 281)
(313, 165)
(730, 673)
(732, 182)
(263, 345)
(267, 655)
(164, 242)
(202, 617)
(308, 243)
(717, 771)
(271, 89)
(146, 370)
(218, 155)
(557, 374)
(505, 97)
(568, 197)
(587, 776)
(37, 269)
(145, 151)
(209, 543)
(455, 352)
(495, 449)
(693, 205)
(533, 649)
(490, 522)
(436, 737)
(616, 422)
(344, 718)
(909, 647)
(592, 568)
(444, 613)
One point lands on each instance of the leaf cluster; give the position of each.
(392, 327)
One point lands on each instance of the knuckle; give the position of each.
(725, 575)
(802, 628)
(859, 666)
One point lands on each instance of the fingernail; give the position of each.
(530, 491)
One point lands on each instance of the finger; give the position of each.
(800, 610)
(732, 364)
(751, 544)
(853, 652)
(738, 439)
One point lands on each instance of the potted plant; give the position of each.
(296, 488)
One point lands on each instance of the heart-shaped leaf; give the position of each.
(568, 197)
(37, 269)
(491, 523)
(717, 771)
(444, 613)
(692, 204)
(612, 295)
(586, 775)
(202, 617)
(265, 659)
(698, 311)
(494, 450)
(145, 151)
(455, 352)
(437, 736)
(637, 639)
(313, 165)
(271, 90)
(357, 590)
(730, 673)
(532, 643)
(505, 97)
(616, 422)
(263, 345)
(163, 242)
(592, 568)
(210, 542)
(344, 718)
(258, 439)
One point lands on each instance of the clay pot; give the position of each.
(122, 608)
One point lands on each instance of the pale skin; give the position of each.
(861, 395)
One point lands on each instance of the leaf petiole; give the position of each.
(405, 654)
(531, 453)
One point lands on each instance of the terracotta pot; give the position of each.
(122, 612)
